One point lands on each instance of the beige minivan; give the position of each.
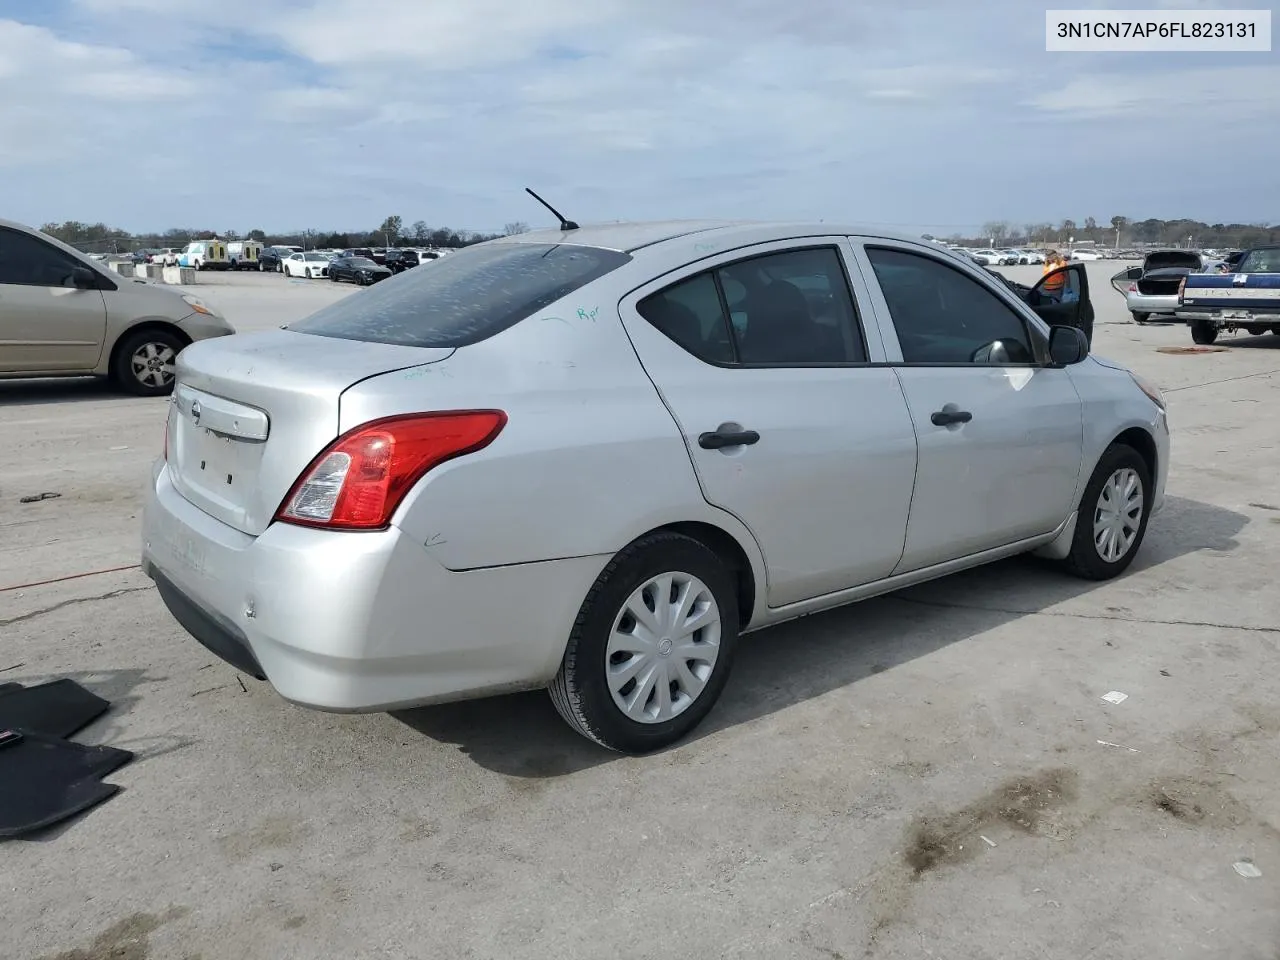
(63, 314)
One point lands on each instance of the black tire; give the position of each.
(144, 383)
(580, 692)
(1139, 317)
(1085, 560)
(1203, 332)
(1276, 331)
(260, 266)
(1256, 329)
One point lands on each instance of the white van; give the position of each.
(243, 254)
(205, 255)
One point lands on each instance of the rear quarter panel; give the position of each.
(589, 459)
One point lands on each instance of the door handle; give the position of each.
(716, 440)
(944, 418)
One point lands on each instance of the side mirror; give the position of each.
(1067, 345)
(994, 353)
(84, 278)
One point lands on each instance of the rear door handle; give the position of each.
(944, 418)
(716, 440)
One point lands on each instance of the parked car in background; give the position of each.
(401, 260)
(1246, 298)
(1030, 256)
(311, 265)
(1009, 257)
(357, 270)
(378, 255)
(357, 252)
(1084, 255)
(1152, 288)
(372, 553)
(986, 257)
(64, 314)
(270, 258)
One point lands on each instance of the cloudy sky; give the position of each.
(933, 115)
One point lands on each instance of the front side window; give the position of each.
(26, 261)
(943, 316)
(777, 309)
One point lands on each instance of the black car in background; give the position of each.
(401, 260)
(269, 258)
(359, 270)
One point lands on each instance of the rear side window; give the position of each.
(776, 309)
(466, 297)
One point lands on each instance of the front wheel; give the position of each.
(1203, 331)
(651, 649)
(144, 362)
(1113, 513)
(1139, 317)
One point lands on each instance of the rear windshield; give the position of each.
(466, 297)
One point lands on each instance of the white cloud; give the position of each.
(445, 109)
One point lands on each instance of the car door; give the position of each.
(47, 323)
(1069, 307)
(1000, 431)
(792, 425)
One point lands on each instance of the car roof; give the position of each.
(628, 237)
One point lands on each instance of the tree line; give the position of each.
(100, 238)
(1122, 231)
(1118, 231)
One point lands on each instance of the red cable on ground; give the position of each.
(74, 576)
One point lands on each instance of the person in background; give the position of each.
(1054, 285)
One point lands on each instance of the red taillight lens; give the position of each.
(1133, 288)
(359, 480)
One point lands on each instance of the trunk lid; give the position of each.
(1163, 259)
(250, 412)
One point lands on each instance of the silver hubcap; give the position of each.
(153, 364)
(1118, 514)
(663, 647)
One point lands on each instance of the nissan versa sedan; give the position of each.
(590, 459)
(63, 314)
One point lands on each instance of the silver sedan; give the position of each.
(590, 459)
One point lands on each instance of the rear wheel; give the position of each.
(1204, 332)
(1256, 329)
(260, 266)
(1112, 518)
(1139, 317)
(652, 646)
(144, 362)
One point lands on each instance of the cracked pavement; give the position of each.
(930, 773)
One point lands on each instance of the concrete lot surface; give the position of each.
(931, 774)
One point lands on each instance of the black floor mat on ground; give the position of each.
(58, 708)
(47, 779)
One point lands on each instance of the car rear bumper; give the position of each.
(1232, 317)
(354, 622)
(1151, 302)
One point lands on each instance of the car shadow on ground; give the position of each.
(521, 735)
(16, 393)
(1264, 341)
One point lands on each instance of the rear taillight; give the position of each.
(1133, 288)
(359, 480)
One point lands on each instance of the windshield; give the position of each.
(1260, 261)
(359, 262)
(467, 297)
(317, 256)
